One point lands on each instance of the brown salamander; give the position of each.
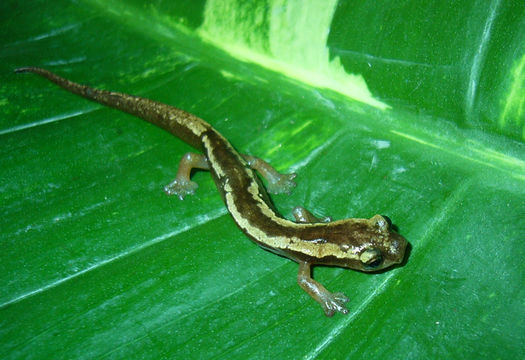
(360, 244)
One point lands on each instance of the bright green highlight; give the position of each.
(288, 37)
(514, 104)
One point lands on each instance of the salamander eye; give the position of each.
(382, 223)
(374, 264)
(371, 258)
(388, 220)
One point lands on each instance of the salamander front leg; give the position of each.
(182, 185)
(302, 215)
(331, 302)
(277, 182)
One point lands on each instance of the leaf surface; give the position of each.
(96, 262)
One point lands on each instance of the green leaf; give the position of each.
(410, 110)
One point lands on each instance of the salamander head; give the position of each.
(383, 247)
(366, 244)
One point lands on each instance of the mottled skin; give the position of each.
(360, 244)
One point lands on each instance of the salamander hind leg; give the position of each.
(330, 302)
(302, 215)
(277, 183)
(182, 185)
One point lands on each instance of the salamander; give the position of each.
(355, 243)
